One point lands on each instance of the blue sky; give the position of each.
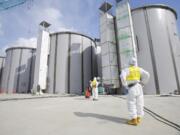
(19, 25)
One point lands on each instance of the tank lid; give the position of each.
(70, 32)
(20, 47)
(157, 6)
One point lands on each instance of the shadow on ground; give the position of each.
(82, 98)
(103, 117)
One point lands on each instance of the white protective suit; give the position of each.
(135, 98)
(95, 90)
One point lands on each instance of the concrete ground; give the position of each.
(167, 107)
(75, 115)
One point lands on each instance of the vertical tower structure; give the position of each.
(110, 73)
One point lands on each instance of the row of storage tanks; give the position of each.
(73, 59)
(71, 65)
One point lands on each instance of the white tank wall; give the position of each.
(18, 70)
(71, 63)
(143, 49)
(154, 28)
(174, 42)
(2, 63)
(99, 60)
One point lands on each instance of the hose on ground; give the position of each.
(159, 117)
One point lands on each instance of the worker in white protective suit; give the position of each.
(134, 78)
(94, 85)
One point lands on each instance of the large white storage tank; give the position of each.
(2, 62)
(71, 62)
(158, 49)
(19, 70)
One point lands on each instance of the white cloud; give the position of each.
(63, 29)
(61, 16)
(1, 32)
(52, 16)
(2, 51)
(23, 42)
